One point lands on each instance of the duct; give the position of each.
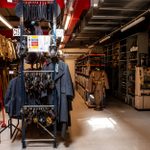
(96, 3)
(102, 23)
(97, 28)
(78, 6)
(118, 9)
(120, 28)
(110, 17)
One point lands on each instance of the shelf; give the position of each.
(122, 60)
(91, 65)
(131, 70)
(81, 65)
(123, 45)
(133, 59)
(133, 81)
(89, 105)
(145, 88)
(122, 52)
(80, 84)
(131, 94)
(96, 55)
(90, 55)
(82, 74)
(102, 65)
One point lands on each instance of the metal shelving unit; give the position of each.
(128, 51)
(122, 69)
(136, 44)
(34, 108)
(83, 67)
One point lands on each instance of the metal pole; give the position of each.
(22, 73)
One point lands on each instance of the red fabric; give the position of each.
(1, 94)
(79, 6)
(6, 33)
(61, 3)
(5, 4)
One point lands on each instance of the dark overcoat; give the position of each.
(13, 100)
(64, 91)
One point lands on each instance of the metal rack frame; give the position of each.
(22, 70)
(52, 135)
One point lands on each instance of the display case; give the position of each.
(83, 67)
(137, 45)
(122, 69)
(142, 88)
(121, 59)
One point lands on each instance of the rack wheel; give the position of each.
(23, 145)
(3, 125)
(55, 145)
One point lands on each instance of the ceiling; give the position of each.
(91, 19)
(106, 17)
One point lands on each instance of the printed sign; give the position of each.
(38, 43)
(59, 32)
(16, 32)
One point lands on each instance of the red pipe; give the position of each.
(79, 6)
(5, 4)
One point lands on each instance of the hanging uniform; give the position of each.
(98, 82)
(64, 93)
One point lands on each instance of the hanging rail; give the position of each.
(38, 1)
(38, 71)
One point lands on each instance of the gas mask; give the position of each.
(53, 51)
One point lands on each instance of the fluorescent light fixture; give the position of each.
(67, 22)
(133, 24)
(91, 46)
(4, 21)
(61, 46)
(62, 38)
(105, 38)
(9, 1)
(95, 5)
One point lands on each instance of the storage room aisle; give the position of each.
(117, 127)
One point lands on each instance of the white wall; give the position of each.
(71, 64)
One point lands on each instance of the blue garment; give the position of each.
(13, 99)
(64, 91)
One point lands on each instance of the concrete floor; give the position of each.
(117, 127)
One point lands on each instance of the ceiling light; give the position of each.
(4, 21)
(60, 46)
(105, 38)
(67, 22)
(9, 1)
(91, 46)
(95, 5)
(133, 24)
(62, 38)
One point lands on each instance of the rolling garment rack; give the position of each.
(14, 127)
(42, 115)
(34, 110)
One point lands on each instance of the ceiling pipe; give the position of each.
(78, 7)
(5, 22)
(120, 28)
(133, 24)
(105, 39)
